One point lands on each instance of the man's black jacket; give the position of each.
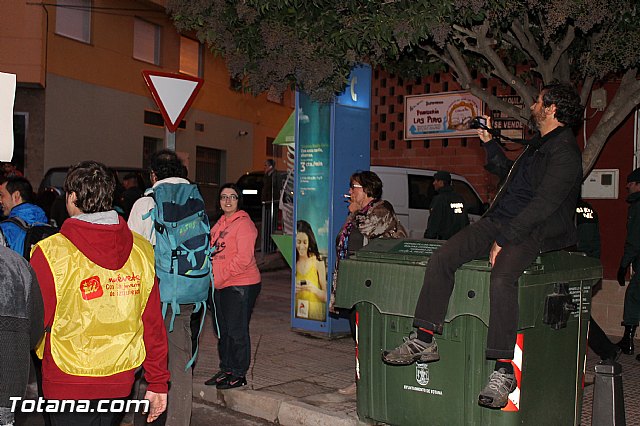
(556, 176)
(632, 242)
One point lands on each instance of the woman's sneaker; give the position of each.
(219, 377)
(496, 393)
(232, 382)
(412, 350)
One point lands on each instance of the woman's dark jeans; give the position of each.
(233, 308)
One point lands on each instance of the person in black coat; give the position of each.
(631, 257)
(588, 226)
(448, 211)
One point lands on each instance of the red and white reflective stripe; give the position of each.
(514, 397)
(357, 363)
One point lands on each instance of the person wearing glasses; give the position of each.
(369, 217)
(237, 283)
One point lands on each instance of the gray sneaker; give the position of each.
(412, 350)
(496, 393)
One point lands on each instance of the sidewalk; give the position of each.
(294, 379)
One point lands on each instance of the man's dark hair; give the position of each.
(270, 162)
(567, 101)
(371, 183)
(235, 188)
(23, 186)
(166, 164)
(93, 184)
(443, 175)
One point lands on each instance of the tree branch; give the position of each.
(559, 49)
(525, 39)
(587, 84)
(500, 69)
(625, 100)
(464, 74)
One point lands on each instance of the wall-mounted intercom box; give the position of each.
(601, 183)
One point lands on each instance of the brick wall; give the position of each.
(464, 156)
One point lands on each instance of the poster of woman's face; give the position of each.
(311, 275)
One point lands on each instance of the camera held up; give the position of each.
(478, 122)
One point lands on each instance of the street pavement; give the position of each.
(294, 378)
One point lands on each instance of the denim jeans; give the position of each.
(233, 309)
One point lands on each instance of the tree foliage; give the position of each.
(313, 44)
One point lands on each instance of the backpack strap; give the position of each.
(175, 310)
(198, 306)
(19, 222)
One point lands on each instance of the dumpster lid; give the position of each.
(406, 251)
(413, 251)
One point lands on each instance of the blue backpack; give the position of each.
(182, 251)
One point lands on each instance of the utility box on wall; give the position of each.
(601, 183)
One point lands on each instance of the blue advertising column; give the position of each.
(332, 142)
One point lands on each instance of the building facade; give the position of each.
(81, 94)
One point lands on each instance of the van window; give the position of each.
(421, 191)
(474, 204)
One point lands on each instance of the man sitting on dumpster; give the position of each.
(532, 213)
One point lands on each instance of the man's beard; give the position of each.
(534, 121)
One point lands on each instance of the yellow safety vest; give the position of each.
(97, 326)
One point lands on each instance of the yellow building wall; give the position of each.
(109, 57)
(22, 41)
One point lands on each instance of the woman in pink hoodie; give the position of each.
(237, 284)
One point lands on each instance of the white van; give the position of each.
(410, 191)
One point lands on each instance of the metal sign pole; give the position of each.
(169, 139)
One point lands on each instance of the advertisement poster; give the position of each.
(440, 115)
(312, 226)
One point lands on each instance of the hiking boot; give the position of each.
(412, 350)
(232, 382)
(496, 393)
(219, 377)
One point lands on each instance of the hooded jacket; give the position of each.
(109, 246)
(15, 235)
(234, 240)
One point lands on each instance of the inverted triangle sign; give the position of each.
(173, 93)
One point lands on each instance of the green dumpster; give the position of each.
(383, 281)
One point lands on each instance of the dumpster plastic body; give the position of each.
(383, 281)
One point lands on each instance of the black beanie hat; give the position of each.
(634, 176)
(442, 175)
